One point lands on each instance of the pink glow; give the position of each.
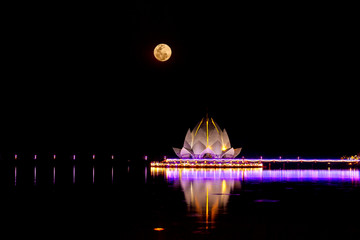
(74, 157)
(93, 172)
(112, 174)
(53, 175)
(15, 175)
(74, 174)
(305, 175)
(35, 175)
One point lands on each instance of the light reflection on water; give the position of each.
(297, 175)
(35, 175)
(73, 174)
(230, 175)
(331, 175)
(207, 191)
(54, 169)
(52, 175)
(198, 200)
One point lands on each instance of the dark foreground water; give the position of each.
(118, 201)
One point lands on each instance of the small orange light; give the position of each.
(159, 229)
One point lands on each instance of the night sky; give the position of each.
(281, 78)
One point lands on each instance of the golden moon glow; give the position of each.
(162, 52)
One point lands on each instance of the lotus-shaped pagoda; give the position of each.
(207, 140)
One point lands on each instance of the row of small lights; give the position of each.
(54, 156)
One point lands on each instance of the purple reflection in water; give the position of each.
(298, 175)
(74, 174)
(266, 201)
(53, 175)
(311, 175)
(93, 174)
(35, 175)
(112, 174)
(15, 175)
(194, 173)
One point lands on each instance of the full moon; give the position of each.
(162, 52)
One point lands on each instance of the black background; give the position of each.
(281, 78)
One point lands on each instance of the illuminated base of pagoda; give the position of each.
(214, 163)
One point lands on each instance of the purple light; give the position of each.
(266, 201)
(16, 156)
(35, 175)
(74, 174)
(74, 157)
(204, 174)
(53, 175)
(15, 175)
(93, 174)
(112, 174)
(341, 175)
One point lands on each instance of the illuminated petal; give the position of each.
(216, 147)
(186, 153)
(225, 139)
(237, 152)
(229, 153)
(198, 148)
(177, 152)
(188, 139)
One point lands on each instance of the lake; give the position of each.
(138, 202)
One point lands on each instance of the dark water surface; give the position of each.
(102, 201)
